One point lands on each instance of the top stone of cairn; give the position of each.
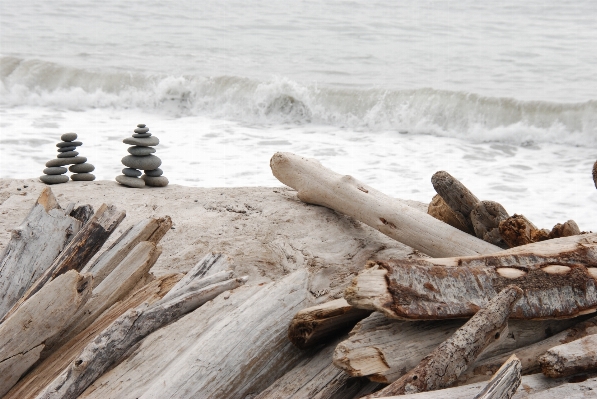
(68, 137)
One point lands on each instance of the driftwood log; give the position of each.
(505, 382)
(442, 211)
(323, 322)
(595, 174)
(384, 350)
(318, 185)
(45, 314)
(442, 367)
(571, 358)
(559, 278)
(33, 246)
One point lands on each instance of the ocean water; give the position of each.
(501, 95)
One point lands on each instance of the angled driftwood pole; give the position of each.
(505, 381)
(570, 358)
(595, 174)
(33, 246)
(441, 368)
(321, 186)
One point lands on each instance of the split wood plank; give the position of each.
(321, 186)
(505, 382)
(32, 248)
(442, 367)
(570, 358)
(38, 319)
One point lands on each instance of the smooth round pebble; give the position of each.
(82, 177)
(65, 161)
(54, 179)
(134, 182)
(160, 181)
(82, 168)
(140, 151)
(56, 170)
(141, 125)
(141, 135)
(131, 172)
(141, 129)
(70, 154)
(68, 137)
(154, 173)
(67, 149)
(147, 162)
(146, 142)
(69, 144)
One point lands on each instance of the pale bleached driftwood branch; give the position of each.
(570, 358)
(505, 381)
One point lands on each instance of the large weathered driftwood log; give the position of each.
(23, 334)
(80, 249)
(557, 284)
(318, 185)
(570, 358)
(322, 322)
(33, 247)
(442, 367)
(112, 343)
(383, 349)
(504, 383)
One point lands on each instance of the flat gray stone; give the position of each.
(136, 150)
(146, 142)
(160, 181)
(141, 129)
(82, 177)
(82, 168)
(67, 149)
(141, 125)
(68, 137)
(134, 182)
(54, 179)
(154, 173)
(131, 172)
(146, 162)
(69, 144)
(141, 135)
(56, 170)
(70, 154)
(65, 161)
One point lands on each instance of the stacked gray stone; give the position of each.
(141, 158)
(54, 172)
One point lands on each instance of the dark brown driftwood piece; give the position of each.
(441, 368)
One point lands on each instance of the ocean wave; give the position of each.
(281, 100)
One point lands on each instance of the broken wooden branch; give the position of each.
(504, 383)
(442, 367)
(322, 322)
(570, 358)
(557, 285)
(442, 211)
(459, 198)
(24, 333)
(33, 247)
(318, 185)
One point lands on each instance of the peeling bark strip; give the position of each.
(130, 328)
(81, 248)
(318, 185)
(320, 323)
(570, 358)
(33, 247)
(504, 383)
(556, 285)
(442, 367)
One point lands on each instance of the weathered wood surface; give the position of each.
(505, 382)
(120, 336)
(529, 354)
(459, 198)
(233, 346)
(570, 358)
(323, 322)
(557, 285)
(150, 229)
(442, 211)
(33, 247)
(38, 319)
(383, 349)
(442, 367)
(84, 245)
(318, 185)
(47, 370)
(486, 217)
(518, 230)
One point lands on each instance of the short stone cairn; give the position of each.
(55, 170)
(141, 158)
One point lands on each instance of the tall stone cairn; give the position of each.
(55, 170)
(141, 158)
